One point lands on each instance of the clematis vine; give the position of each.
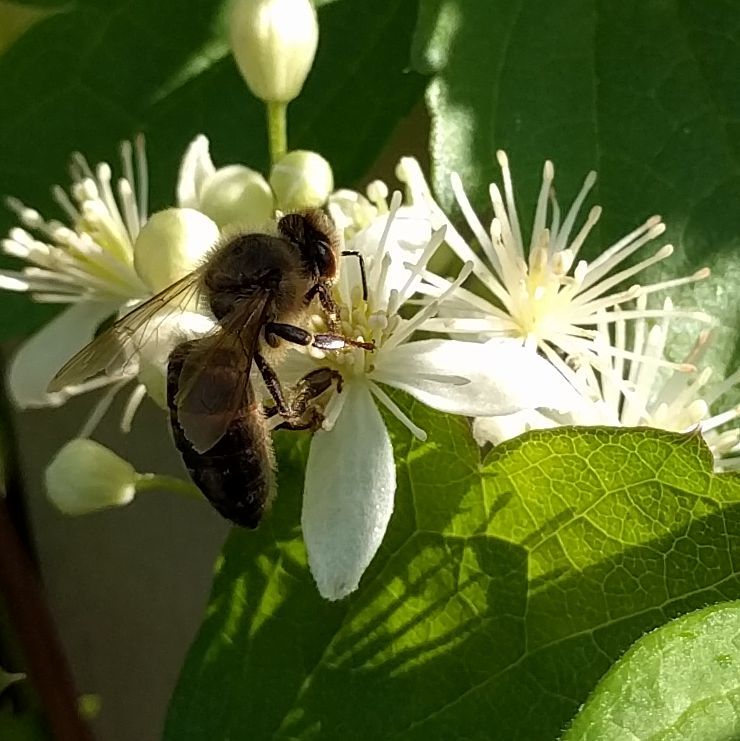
(350, 475)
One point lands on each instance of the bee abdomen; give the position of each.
(237, 474)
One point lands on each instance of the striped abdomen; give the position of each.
(236, 475)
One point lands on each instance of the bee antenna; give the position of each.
(361, 261)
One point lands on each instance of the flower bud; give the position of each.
(350, 211)
(274, 43)
(86, 476)
(301, 180)
(171, 245)
(237, 195)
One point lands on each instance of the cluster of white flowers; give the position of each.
(554, 339)
(578, 315)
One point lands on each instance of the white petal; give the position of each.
(507, 426)
(43, 354)
(195, 168)
(476, 379)
(348, 497)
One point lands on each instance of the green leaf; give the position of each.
(504, 589)
(9, 678)
(97, 72)
(679, 683)
(643, 92)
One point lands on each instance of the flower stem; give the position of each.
(154, 481)
(277, 130)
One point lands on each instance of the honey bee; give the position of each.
(237, 474)
(258, 287)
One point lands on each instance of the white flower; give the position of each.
(233, 194)
(88, 265)
(92, 266)
(274, 44)
(350, 476)
(541, 293)
(647, 391)
(93, 259)
(652, 391)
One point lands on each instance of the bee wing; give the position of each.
(213, 386)
(110, 351)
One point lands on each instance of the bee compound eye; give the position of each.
(324, 258)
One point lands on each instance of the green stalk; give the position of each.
(277, 130)
(158, 482)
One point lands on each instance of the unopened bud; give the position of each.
(301, 180)
(86, 476)
(237, 195)
(350, 211)
(171, 245)
(274, 44)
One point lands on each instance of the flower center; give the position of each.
(357, 321)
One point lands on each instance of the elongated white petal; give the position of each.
(476, 379)
(195, 168)
(348, 497)
(42, 355)
(507, 426)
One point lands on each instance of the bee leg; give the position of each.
(306, 391)
(314, 423)
(331, 341)
(274, 331)
(363, 276)
(273, 386)
(312, 385)
(327, 304)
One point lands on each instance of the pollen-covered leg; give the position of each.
(303, 414)
(327, 302)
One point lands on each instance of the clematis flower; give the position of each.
(541, 292)
(111, 257)
(350, 476)
(88, 265)
(647, 391)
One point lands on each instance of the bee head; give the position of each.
(314, 234)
